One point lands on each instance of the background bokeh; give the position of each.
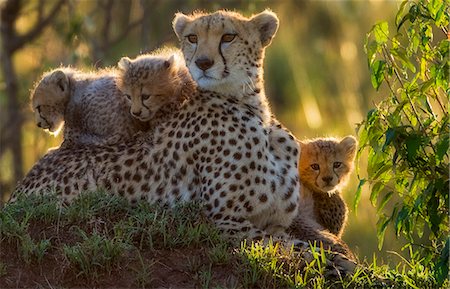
(316, 72)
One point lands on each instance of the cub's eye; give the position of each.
(315, 167)
(337, 165)
(128, 96)
(192, 38)
(38, 108)
(226, 38)
(145, 96)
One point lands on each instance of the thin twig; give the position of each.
(21, 40)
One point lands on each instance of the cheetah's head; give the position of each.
(224, 51)
(49, 99)
(326, 163)
(151, 81)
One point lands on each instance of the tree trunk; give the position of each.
(12, 130)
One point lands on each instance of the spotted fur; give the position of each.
(222, 146)
(88, 105)
(325, 165)
(154, 80)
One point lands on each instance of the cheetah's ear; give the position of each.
(169, 62)
(59, 78)
(348, 146)
(267, 24)
(179, 23)
(124, 63)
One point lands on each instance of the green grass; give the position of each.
(101, 240)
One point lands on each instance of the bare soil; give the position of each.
(165, 268)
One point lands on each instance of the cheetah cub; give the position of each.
(155, 84)
(88, 105)
(324, 167)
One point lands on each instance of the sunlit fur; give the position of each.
(326, 153)
(237, 68)
(325, 165)
(88, 105)
(151, 81)
(49, 98)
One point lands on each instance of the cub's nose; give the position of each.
(327, 179)
(204, 63)
(39, 124)
(136, 113)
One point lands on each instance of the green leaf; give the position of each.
(434, 6)
(358, 194)
(400, 18)
(382, 224)
(426, 85)
(413, 143)
(435, 218)
(390, 135)
(401, 217)
(440, 18)
(382, 172)
(384, 201)
(377, 73)
(400, 54)
(442, 148)
(441, 272)
(376, 189)
(372, 48)
(381, 32)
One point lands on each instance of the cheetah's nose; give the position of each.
(204, 63)
(327, 179)
(39, 124)
(136, 113)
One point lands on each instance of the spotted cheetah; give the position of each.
(325, 165)
(217, 147)
(88, 105)
(166, 81)
(214, 148)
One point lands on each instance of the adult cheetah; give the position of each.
(215, 148)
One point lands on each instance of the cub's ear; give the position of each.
(169, 62)
(301, 144)
(59, 78)
(267, 24)
(179, 23)
(124, 63)
(348, 146)
(304, 148)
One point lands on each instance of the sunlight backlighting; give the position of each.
(312, 112)
(57, 131)
(348, 50)
(352, 111)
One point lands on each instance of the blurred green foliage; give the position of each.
(407, 134)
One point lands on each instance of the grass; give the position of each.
(102, 241)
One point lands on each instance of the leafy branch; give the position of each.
(407, 135)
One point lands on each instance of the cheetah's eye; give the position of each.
(145, 96)
(128, 96)
(192, 38)
(337, 165)
(227, 38)
(315, 167)
(38, 108)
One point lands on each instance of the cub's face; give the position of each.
(148, 83)
(224, 50)
(325, 164)
(49, 100)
